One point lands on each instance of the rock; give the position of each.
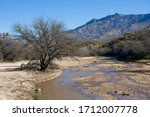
(124, 94)
(37, 90)
(22, 66)
(85, 66)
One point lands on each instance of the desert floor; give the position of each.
(123, 80)
(20, 85)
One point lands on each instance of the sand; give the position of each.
(127, 80)
(20, 85)
(132, 80)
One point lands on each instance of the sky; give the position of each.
(72, 13)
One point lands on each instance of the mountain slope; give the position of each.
(111, 26)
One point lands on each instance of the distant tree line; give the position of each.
(132, 46)
(13, 49)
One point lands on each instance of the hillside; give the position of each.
(111, 26)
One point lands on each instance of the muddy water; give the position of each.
(64, 88)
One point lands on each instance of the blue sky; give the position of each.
(72, 13)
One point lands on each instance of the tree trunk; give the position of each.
(43, 66)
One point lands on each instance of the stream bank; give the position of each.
(20, 85)
(104, 78)
(81, 77)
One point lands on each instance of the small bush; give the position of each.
(31, 65)
(35, 96)
(53, 66)
(83, 51)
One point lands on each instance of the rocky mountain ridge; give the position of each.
(111, 26)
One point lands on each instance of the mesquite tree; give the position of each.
(48, 38)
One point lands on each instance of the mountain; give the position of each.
(111, 26)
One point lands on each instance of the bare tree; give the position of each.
(47, 37)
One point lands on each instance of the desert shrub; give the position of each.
(1, 57)
(90, 47)
(104, 51)
(7, 47)
(94, 52)
(10, 48)
(53, 66)
(129, 50)
(135, 47)
(35, 96)
(83, 51)
(31, 65)
(35, 65)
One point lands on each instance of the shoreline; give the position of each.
(20, 85)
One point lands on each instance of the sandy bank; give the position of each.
(21, 84)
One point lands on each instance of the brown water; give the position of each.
(55, 90)
(64, 88)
